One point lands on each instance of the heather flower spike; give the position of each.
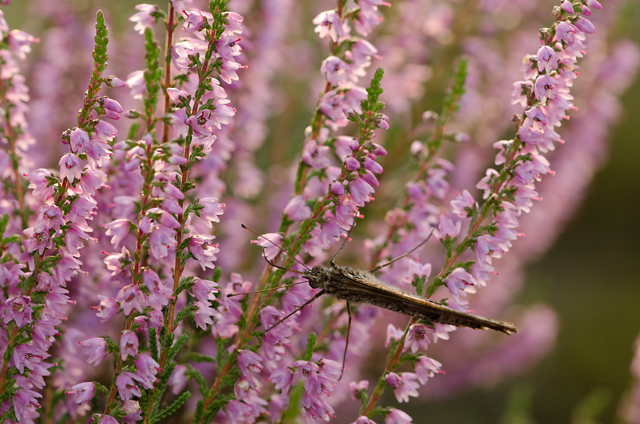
(128, 259)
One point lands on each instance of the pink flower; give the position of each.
(96, 350)
(84, 391)
(143, 19)
(161, 240)
(547, 59)
(335, 70)
(360, 191)
(204, 250)
(50, 217)
(270, 242)
(212, 208)
(417, 337)
(281, 378)
(315, 155)
(408, 387)
(203, 314)
(147, 369)
(38, 181)
(461, 203)
(195, 20)
(329, 25)
(178, 379)
(545, 87)
(457, 282)
(130, 298)
(249, 361)
(297, 209)
(426, 368)
(23, 401)
(416, 269)
(396, 416)
(128, 345)
(393, 333)
(363, 419)
(118, 229)
(37, 240)
(18, 310)
(355, 388)
(127, 388)
(446, 227)
(107, 309)
(20, 43)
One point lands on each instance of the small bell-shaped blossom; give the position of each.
(96, 349)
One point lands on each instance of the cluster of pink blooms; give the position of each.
(145, 295)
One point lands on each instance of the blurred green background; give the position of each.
(590, 277)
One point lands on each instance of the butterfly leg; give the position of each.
(320, 293)
(346, 346)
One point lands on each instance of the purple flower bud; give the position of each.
(382, 121)
(352, 163)
(593, 4)
(372, 166)
(416, 147)
(393, 380)
(396, 217)
(114, 82)
(461, 137)
(370, 178)
(566, 6)
(585, 10)
(131, 114)
(585, 25)
(337, 188)
(110, 104)
(378, 150)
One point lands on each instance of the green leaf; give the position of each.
(172, 408)
(308, 352)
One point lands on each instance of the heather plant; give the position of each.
(131, 292)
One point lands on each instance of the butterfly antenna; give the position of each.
(333, 263)
(403, 255)
(266, 290)
(317, 295)
(264, 255)
(279, 247)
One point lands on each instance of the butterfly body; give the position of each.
(355, 286)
